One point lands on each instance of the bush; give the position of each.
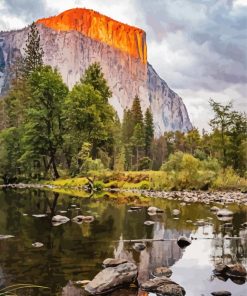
(187, 172)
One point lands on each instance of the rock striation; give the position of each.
(76, 38)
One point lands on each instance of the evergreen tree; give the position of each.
(33, 52)
(138, 142)
(149, 131)
(95, 77)
(137, 112)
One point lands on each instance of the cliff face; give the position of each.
(102, 28)
(72, 52)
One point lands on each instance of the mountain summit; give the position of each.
(78, 37)
(102, 28)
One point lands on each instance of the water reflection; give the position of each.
(74, 252)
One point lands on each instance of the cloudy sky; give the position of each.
(198, 46)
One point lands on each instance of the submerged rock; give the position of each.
(112, 262)
(163, 286)
(162, 271)
(183, 242)
(111, 278)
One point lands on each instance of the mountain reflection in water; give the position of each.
(73, 252)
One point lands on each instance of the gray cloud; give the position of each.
(26, 10)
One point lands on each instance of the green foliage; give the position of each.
(189, 172)
(43, 129)
(33, 52)
(149, 131)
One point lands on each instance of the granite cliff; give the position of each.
(76, 38)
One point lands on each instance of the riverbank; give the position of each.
(207, 197)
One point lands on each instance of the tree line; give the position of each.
(47, 130)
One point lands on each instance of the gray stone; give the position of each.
(58, 220)
(236, 270)
(37, 245)
(162, 271)
(112, 278)
(112, 262)
(163, 286)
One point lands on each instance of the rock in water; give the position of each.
(162, 271)
(112, 278)
(221, 293)
(112, 262)
(175, 212)
(163, 286)
(183, 242)
(224, 213)
(148, 223)
(37, 245)
(80, 219)
(139, 247)
(58, 220)
(236, 270)
(154, 210)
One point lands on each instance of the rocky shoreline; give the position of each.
(207, 197)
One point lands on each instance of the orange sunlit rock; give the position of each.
(102, 28)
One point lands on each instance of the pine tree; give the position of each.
(137, 112)
(33, 51)
(95, 77)
(149, 131)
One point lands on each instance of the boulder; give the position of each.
(111, 262)
(183, 242)
(111, 278)
(162, 271)
(163, 286)
(221, 293)
(236, 270)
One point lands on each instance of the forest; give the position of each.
(48, 132)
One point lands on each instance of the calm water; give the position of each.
(74, 252)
